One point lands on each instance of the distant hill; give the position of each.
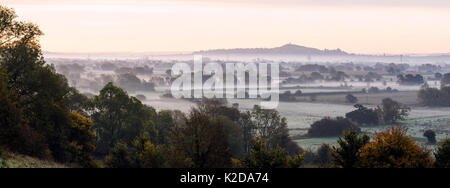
(289, 49)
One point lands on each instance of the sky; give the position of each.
(356, 26)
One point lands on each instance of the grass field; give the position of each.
(405, 97)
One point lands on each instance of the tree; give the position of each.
(442, 155)
(438, 76)
(351, 98)
(163, 126)
(328, 127)
(394, 149)
(410, 79)
(434, 96)
(119, 117)
(363, 116)
(347, 153)
(120, 157)
(203, 140)
(392, 111)
(431, 136)
(41, 91)
(445, 80)
(263, 158)
(325, 155)
(82, 140)
(148, 155)
(269, 125)
(15, 133)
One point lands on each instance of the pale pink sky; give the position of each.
(358, 26)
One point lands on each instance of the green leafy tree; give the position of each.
(15, 133)
(82, 140)
(347, 153)
(329, 127)
(163, 126)
(149, 155)
(392, 111)
(363, 116)
(120, 157)
(202, 138)
(264, 158)
(442, 154)
(119, 117)
(41, 91)
(269, 125)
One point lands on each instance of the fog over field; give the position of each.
(146, 76)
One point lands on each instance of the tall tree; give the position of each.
(119, 117)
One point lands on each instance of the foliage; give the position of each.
(263, 158)
(120, 157)
(328, 127)
(445, 80)
(434, 96)
(347, 153)
(82, 140)
(363, 116)
(118, 117)
(392, 111)
(269, 125)
(40, 90)
(410, 79)
(325, 155)
(394, 149)
(203, 139)
(442, 155)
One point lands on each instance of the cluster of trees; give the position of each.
(288, 96)
(410, 79)
(434, 96)
(41, 116)
(391, 148)
(389, 112)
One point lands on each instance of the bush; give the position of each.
(394, 149)
(329, 127)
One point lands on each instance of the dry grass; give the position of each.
(11, 160)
